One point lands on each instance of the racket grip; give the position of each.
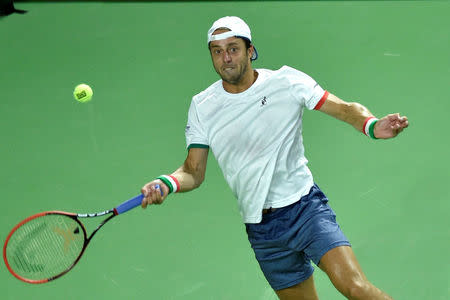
(132, 203)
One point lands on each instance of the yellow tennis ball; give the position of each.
(83, 93)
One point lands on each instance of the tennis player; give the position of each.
(251, 119)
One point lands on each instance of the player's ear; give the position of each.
(250, 51)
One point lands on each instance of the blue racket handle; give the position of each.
(132, 203)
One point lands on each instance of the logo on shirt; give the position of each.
(187, 129)
(263, 101)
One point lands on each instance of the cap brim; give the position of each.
(255, 54)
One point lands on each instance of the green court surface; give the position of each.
(144, 62)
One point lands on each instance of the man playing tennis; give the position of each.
(251, 119)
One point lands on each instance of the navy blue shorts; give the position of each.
(289, 238)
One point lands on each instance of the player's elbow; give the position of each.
(196, 172)
(199, 177)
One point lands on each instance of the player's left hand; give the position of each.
(390, 126)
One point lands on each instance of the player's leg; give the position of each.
(330, 249)
(303, 291)
(346, 274)
(287, 270)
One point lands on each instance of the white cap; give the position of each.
(237, 27)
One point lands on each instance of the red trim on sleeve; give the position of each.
(321, 101)
(176, 182)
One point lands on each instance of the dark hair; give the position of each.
(246, 41)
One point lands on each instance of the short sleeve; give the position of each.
(305, 89)
(195, 135)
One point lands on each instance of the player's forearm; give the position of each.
(352, 113)
(188, 177)
(356, 114)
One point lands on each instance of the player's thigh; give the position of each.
(342, 267)
(302, 291)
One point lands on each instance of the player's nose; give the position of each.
(226, 57)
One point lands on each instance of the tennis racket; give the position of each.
(49, 244)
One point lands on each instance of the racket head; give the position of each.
(44, 246)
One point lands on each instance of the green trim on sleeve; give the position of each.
(197, 146)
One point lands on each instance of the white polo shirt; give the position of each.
(256, 137)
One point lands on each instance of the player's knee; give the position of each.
(357, 289)
(363, 289)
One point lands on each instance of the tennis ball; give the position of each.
(83, 93)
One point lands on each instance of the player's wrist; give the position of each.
(171, 182)
(369, 127)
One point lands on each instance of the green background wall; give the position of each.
(145, 61)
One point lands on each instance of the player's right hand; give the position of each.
(154, 194)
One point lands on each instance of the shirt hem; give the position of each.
(282, 203)
(288, 201)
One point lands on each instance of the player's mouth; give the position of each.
(228, 68)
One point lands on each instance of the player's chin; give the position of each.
(232, 78)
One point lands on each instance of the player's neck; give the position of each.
(245, 83)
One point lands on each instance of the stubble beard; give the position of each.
(234, 78)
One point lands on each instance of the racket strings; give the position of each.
(45, 246)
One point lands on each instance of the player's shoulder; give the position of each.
(292, 75)
(284, 73)
(210, 91)
(277, 74)
(289, 71)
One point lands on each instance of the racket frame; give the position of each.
(120, 209)
(73, 216)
